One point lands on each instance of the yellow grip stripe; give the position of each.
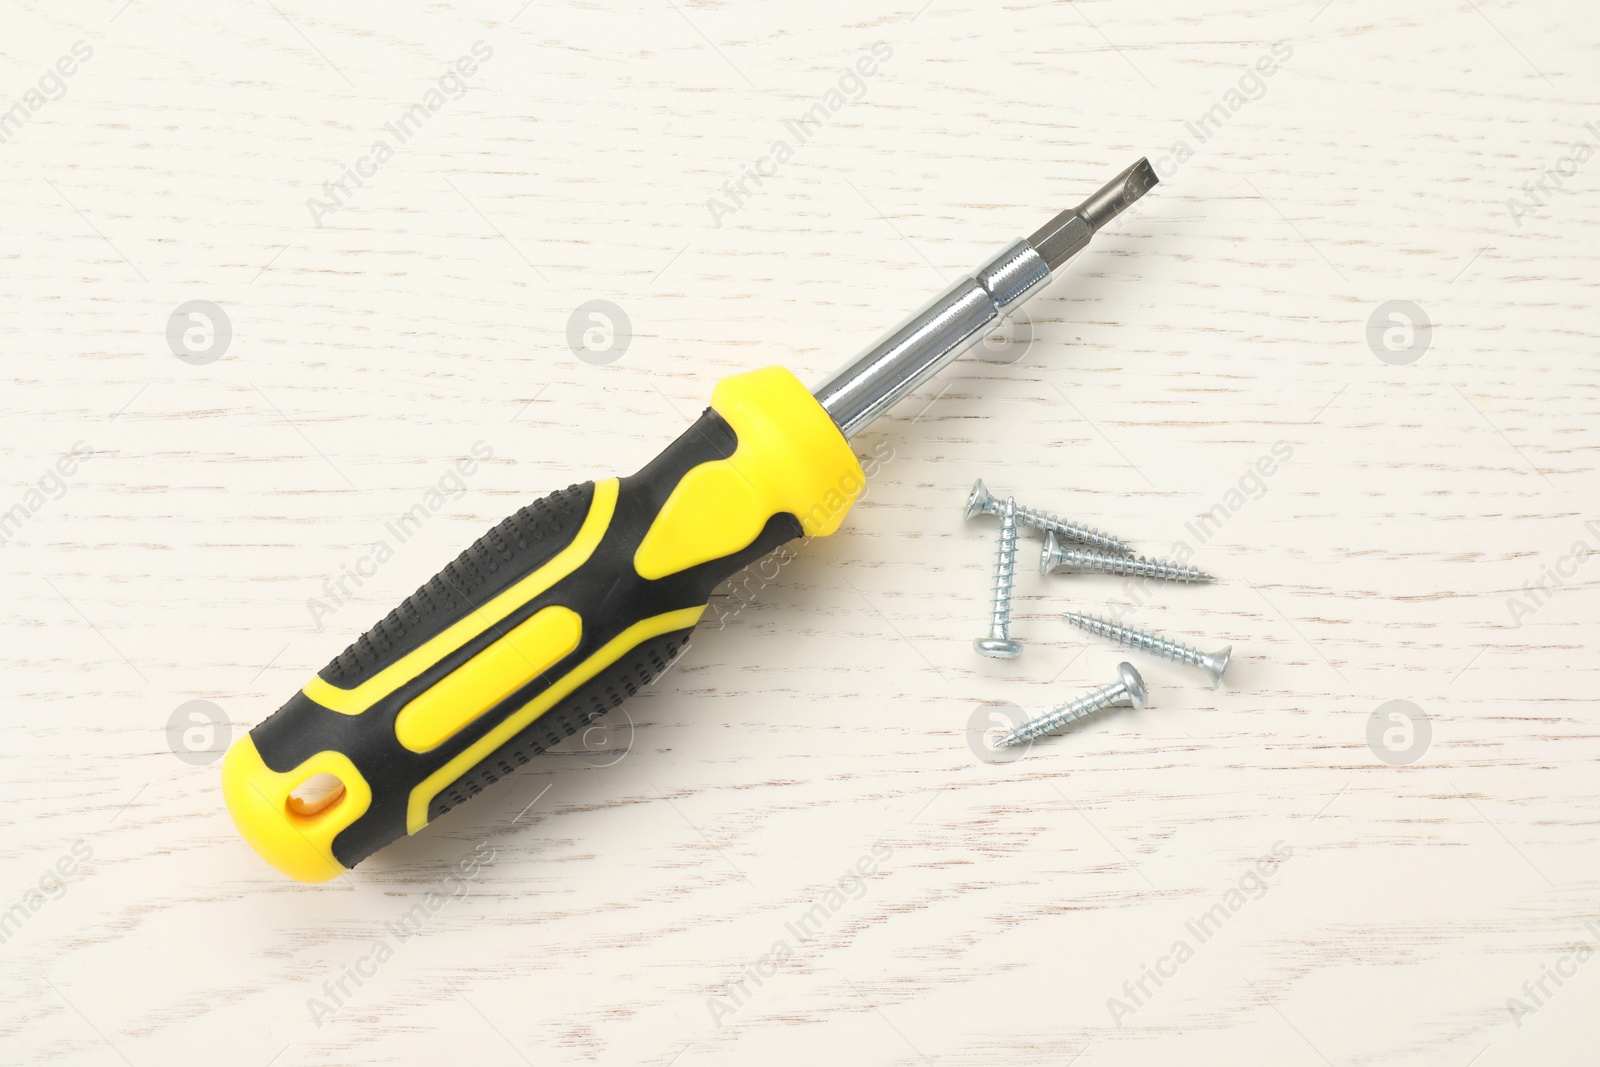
(422, 796)
(355, 701)
(790, 458)
(486, 679)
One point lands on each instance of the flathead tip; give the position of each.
(1068, 233)
(1119, 194)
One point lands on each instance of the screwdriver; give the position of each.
(570, 606)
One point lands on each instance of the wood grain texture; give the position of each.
(627, 899)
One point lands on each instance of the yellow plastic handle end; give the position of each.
(277, 825)
(790, 458)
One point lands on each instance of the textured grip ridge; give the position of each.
(603, 694)
(545, 623)
(511, 549)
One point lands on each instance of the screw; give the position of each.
(1213, 663)
(1057, 556)
(982, 502)
(1127, 690)
(998, 645)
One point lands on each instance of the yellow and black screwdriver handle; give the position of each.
(567, 608)
(547, 622)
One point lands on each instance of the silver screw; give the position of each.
(1127, 690)
(998, 645)
(1213, 663)
(982, 502)
(1057, 556)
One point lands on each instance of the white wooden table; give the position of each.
(691, 891)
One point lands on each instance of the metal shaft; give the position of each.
(1214, 664)
(958, 318)
(997, 644)
(1127, 691)
(1057, 556)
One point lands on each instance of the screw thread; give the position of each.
(1072, 531)
(1133, 638)
(1058, 718)
(1005, 572)
(1088, 559)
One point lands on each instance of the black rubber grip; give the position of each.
(518, 546)
(605, 590)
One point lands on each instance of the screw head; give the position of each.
(998, 647)
(980, 501)
(1050, 554)
(1215, 664)
(1133, 683)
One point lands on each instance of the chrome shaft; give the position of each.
(958, 318)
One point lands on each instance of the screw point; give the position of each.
(1213, 663)
(1127, 689)
(1059, 557)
